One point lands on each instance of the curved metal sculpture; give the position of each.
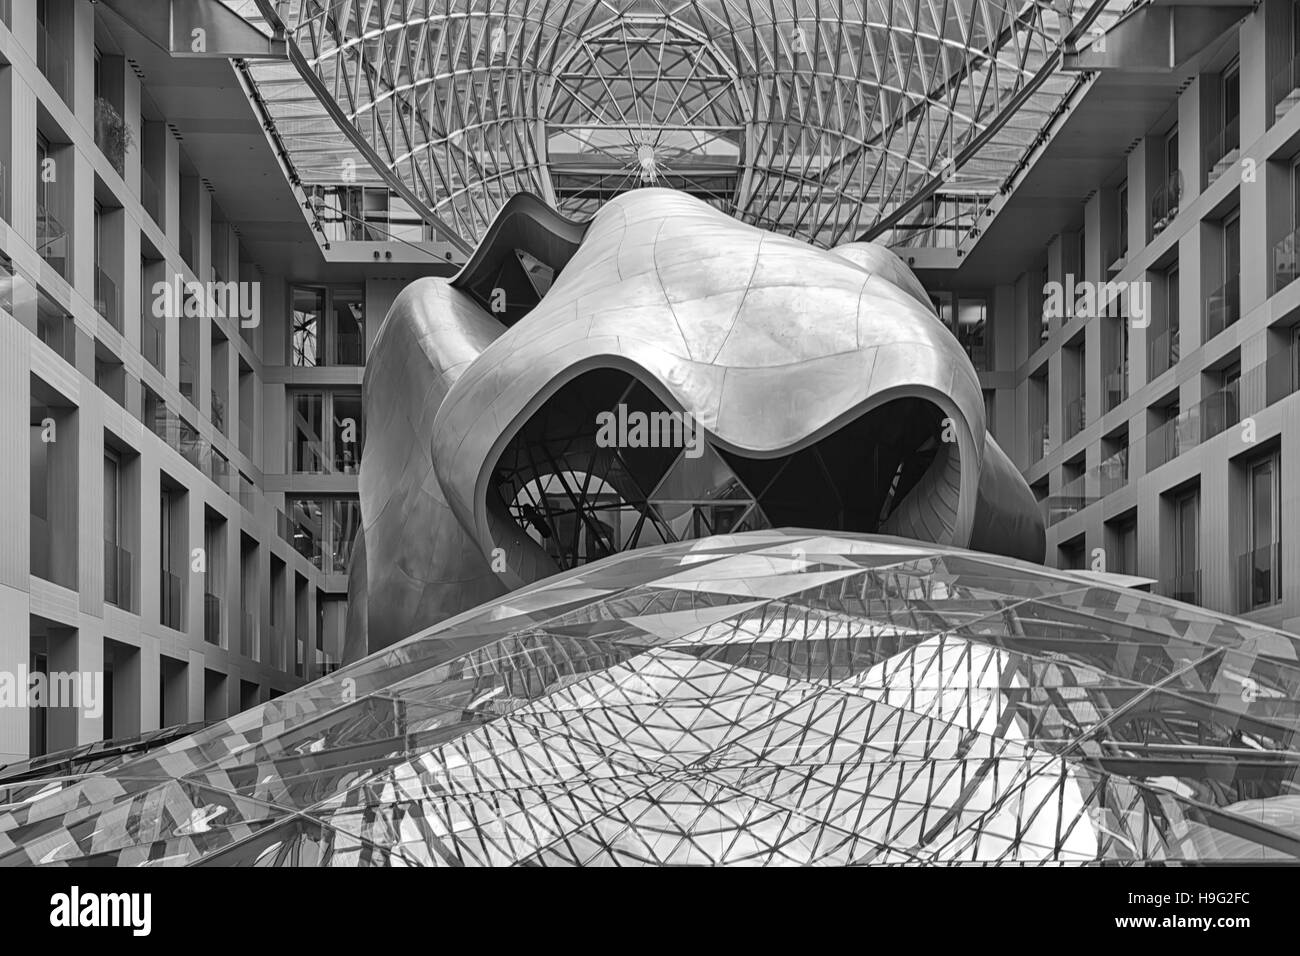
(804, 388)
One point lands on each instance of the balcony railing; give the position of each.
(1210, 416)
(22, 297)
(1284, 260)
(1220, 411)
(171, 601)
(1162, 353)
(108, 298)
(1222, 151)
(1185, 586)
(1089, 488)
(1271, 381)
(211, 618)
(1286, 88)
(51, 61)
(241, 489)
(51, 240)
(1167, 441)
(4, 191)
(1164, 204)
(119, 571)
(1222, 308)
(246, 437)
(1259, 577)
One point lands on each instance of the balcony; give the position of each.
(1222, 308)
(1087, 489)
(1184, 586)
(1215, 413)
(1285, 87)
(1162, 353)
(1259, 577)
(1164, 204)
(1284, 260)
(1271, 381)
(119, 571)
(22, 297)
(108, 298)
(52, 240)
(1167, 441)
(245, 436)
(211, 618)
(1220, 411)
(1223, 150)
(51, 61)
(171, 601)
(241, 489)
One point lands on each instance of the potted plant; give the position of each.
(112, 133)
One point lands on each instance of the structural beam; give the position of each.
(198, 28)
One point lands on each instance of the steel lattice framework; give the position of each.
(814, 118)
(770, 698)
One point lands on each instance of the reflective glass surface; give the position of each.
(774, 697)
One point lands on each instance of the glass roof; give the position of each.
(814, 118)
(773, 697)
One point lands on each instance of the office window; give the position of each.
(1125, 560)
(1187, 547)
(118, 561)
(972, 330)
(327, 326)
(1259, 569)
(308, 442)
(1123, 221)
(326, 432)
(308, 315)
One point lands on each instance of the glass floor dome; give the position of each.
(772, 697)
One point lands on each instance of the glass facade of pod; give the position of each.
(772, 697)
